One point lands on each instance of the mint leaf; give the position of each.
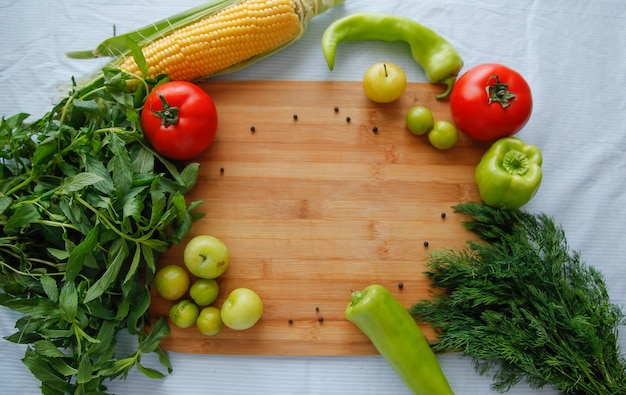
(50, 287)
(149, 372)
(5, 202)
(85, 370)
(22, 217)
(79, 181)
(44, 372)
(116, 256)
(134, 264)
(80, 252)
(120, 165)
(189, 175)
(47, 349)
(159, 330)
(68, 302)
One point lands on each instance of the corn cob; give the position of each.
(215, 38)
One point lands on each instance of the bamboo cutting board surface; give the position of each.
(313, 206)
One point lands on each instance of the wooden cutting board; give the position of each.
(314, 203)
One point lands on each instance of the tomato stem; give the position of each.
(169, 114)
(499, 92)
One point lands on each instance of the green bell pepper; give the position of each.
(509, 173)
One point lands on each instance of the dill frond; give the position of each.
(523, 306)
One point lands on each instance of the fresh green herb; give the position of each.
(86, 206)
(523, 306)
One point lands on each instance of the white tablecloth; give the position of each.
(572, 52)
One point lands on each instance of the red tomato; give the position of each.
(490, 101)
(179, 119)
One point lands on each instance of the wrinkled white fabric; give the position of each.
(570, 51)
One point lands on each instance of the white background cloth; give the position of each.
(572, 52)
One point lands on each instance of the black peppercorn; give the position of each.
(425, 244)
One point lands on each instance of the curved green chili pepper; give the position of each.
(432, 52)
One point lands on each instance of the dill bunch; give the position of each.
(523, 306)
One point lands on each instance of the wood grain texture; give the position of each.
(315, 207)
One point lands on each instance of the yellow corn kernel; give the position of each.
(233, 35)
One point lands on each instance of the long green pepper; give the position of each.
(438, 58)
(397, 337)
